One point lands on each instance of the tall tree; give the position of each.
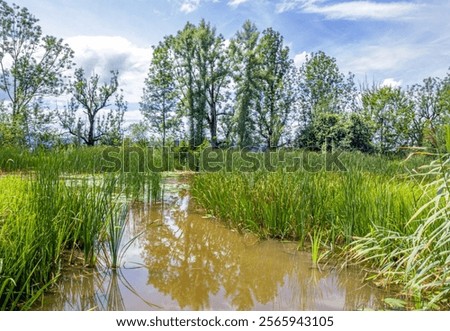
(276, 91)
(391, 114)
(93, 97)
(183, 48)
(31, 64)
(159, 100)
(201, 70)
(429, 107)
(213, 75)
(323, 88)
(243, 53)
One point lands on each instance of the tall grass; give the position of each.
(419, 260)
(44, 215)
(115, 232)
(396, 223)
(291, 205)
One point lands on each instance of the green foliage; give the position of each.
(46, 216)
(359, 133)
(243, 54)
(390, 112)
(290, 205)
(93, 97)
(32, 66)
(158, 104)
(323, 88)
(430, 109)
(416, 258)
(201, 71)
(276, 92)
(330, 131)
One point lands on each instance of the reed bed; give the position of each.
(47, 214)
(382, 215)
(418, 258)
(291, 205)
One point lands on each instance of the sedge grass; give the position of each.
(43, 215)
(417, 259)
(291, 205)
(398, 224)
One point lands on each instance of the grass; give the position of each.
(379, 213)
(47, 213)
(418, 259)
(291, 205)
(115, 232)
(315, 247)
(369, 207)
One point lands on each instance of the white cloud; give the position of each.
(236, 3)
(300, 58)
(377, 63)
(352, 10)
(188, 6)
(391, 82)
(387, 57)
(101, 54)
(133, 115)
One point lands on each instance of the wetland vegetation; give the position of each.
(355, 177)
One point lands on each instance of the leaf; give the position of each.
(395, 303)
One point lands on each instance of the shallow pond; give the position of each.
(182, 260)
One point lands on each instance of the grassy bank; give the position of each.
(380, 212)
(294, 205)
(45, 216)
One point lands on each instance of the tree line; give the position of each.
(247, 92)
(202, 89)
(34, 66)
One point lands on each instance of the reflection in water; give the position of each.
(186, 261)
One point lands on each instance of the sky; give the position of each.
(390, 42)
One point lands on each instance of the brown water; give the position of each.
(185, 261)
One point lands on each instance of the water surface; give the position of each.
(183, 260)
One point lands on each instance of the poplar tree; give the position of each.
(31, 66)
(158, 105)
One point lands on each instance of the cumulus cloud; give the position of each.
(388, 57)
(101, 54)
(300, 58)
(351, 10)
(188, 6)
(236, 3)
(391, 82)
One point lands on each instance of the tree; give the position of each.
(213, 75)
(327, 131)
(137, 133)
(323, 88)
(243, 54)
(31, 65)
(182, 50)
(159, 100)
(201, 70)
(430, 107)
(93, 98)
(276, 90)
(391, 114)
(5, 127)
(359, 133)
(345, 131)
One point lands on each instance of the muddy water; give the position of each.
(182, 260)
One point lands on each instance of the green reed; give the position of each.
(115, 231)
(48, 213)
(290, 205)
(417, 258)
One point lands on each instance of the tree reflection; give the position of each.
(200, 264)
(194, 258)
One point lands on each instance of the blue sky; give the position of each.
(395, 42)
